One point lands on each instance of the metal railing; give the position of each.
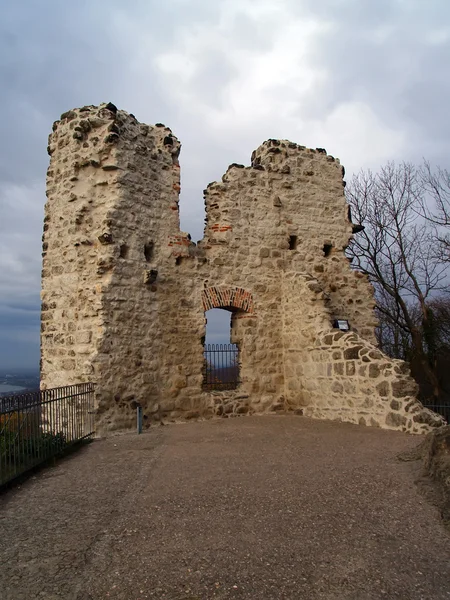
(221, 367)
(441, 409)
(36, 426)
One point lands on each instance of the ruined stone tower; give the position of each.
(124, 291)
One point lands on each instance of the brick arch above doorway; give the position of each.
(227, 297)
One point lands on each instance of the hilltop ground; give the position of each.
(257, 507)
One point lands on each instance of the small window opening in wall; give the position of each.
(178, 260)
(292, 242)
(148, 251)
(124, 251)
(220, 356)
(327, 249)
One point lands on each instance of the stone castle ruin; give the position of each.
(124, 291)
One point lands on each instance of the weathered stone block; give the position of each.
(427, 417)
(374, 370)
(395, 405)
(68, 364)
(350, 368)
(368, 402)
(404, 387)
(395, 420)
(83, 337)
(339, 368)
(352, 353)
(337, 388)
(349, 389)
(383, 388)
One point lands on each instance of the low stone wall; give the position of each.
(349, 379)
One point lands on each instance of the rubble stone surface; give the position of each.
(261, 508)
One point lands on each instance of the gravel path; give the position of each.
(256, 507)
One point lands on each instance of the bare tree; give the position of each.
(440, 307)
(435, 205)
(392, 333)
(395, 249)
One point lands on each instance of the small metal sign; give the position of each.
(341, 324)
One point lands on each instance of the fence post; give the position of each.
(139, 418)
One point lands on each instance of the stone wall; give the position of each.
(124, 291)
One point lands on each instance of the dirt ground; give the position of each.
(256, 507)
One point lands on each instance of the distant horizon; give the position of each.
(4, 371)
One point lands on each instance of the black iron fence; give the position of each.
(441, 409)
(38, 425)
(221, 367)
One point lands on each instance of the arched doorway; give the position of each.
(224, 308)
(227, 297)
(221, 355)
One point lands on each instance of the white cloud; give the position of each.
(265, 84)
(365, 80)
(268, 92)
(358, 136)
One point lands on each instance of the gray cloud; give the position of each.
(365, 79)
(392, 56)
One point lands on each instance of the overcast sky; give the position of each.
(368, 80)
